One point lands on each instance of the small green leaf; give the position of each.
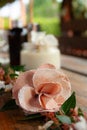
(80, 112)
(64, 119)
(13, 75)
(18, 68)
(32, 116)
(6, 69)
(9, 105)
(69, 103)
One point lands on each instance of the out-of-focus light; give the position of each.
(26, 1)
(9, 10)
(13, 7)
(4, 11)
(59, 0)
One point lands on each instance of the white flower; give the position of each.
(81, 125)
(42, 42)
(2, 84)
(17, 72)
(5, 87)
(46, 125)
(8, 87)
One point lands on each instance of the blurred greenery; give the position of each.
(45, 8)
(6, 22)
(79, 8)
(46, 14)
(49, 25)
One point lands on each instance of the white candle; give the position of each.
(42, 49)
(33, 59)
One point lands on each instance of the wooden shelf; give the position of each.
(75, 25)
(76, 46)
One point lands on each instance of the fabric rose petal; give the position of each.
(25, 78)
(44, 89)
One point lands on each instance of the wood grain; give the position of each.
(75, 64)
(79, 85)
(10, 120)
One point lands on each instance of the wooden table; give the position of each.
(76, 69)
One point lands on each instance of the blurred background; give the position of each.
(65, 19)
(46, 13)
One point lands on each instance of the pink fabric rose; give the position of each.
(44, 89)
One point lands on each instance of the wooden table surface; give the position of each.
(76, 70)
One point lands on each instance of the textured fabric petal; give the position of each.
(66, 88)
(41, 90)
(22, 80)
(49, 75)
(49, 88)
(59, 99)
(48, 103)
(28, 100)
(45, 75)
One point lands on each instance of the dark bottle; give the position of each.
(14, 40)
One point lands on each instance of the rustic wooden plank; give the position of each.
(79, 85)
(75, 64)
(10, 120)
(75, 25)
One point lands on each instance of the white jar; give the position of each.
(33, 58)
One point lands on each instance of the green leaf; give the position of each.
(64, 119)
(80, 112)
(13, 75)
(69, 103)
(9, 105)
(18, 68)
(5, 68)
(32, 116)
(0, 65)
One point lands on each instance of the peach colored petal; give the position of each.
(28, 100)
(23, 79)
(50, 66)
(41, 90)
(48, 103)
(48, 76)
(59, 99)
(45, 75)
(66, 89)
(49, 88)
